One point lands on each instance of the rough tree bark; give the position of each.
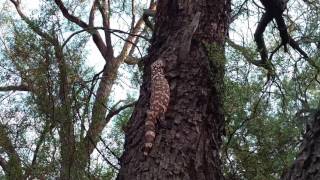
(188, 136)
(307, 164)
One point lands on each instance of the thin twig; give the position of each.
(101, 28)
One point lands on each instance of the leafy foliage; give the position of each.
(267, 118)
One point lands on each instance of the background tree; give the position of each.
(60, 87)
(267, 119)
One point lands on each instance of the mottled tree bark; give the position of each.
(307, 164)
(188, 136)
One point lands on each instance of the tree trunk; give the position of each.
(189, 36)
(66, 130)
(307, 164)
(12, 167)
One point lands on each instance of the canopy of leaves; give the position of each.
(268, 117)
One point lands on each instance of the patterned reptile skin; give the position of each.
(159, 101)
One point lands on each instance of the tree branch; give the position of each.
(69, 16)
(92, 13)
(93, 134)
(246, 52)
(113, 31)
(258, 36)
(248, 55)
(238, 13)
(132, 39)
(33, 26)
(95, 34)
(117, 111)
(133, 19)
(15, 88)
(14, 164)
(48, 127)
(103, 156)
(4, 164)
(104, 9)
(132, 60)
(146, 14)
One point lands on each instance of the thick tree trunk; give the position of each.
(188, 136)
(307, 164)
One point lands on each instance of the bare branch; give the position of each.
(15, 2)
(110, 150)
(104, 9)
(296, 46)
(258, 36)
(103, 156)
(97, 28)
(238, 13)
(133, 19)
(132, 39)
(146, 14)
(132, 60)
(92, 13)
(15, 88)
(117, 111)
(150, 12)
(116, 104)
(69, 16)
(95, 34)
(128, 45)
